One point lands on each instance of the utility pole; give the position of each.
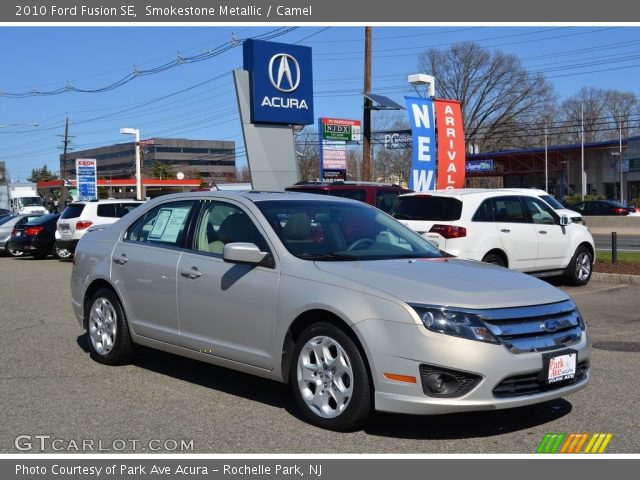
(63, 167)
(366, 120)
(546, 161)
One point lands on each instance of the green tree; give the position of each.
(42, 174)
(161, 171)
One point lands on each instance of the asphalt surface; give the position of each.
(51, 387)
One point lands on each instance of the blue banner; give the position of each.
(423, 163)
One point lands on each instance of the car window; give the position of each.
(427, 207)
(552, 201)
(353, 193)
(484, 212)
(539, 211)
(509, 210)
(127, 207)
(578, 207)
(220, 223)
(107, 210)
(163, 225)
(73, 210)
(385, 199)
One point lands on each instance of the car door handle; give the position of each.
(505, 230)
(121, 260)
(544, 232)
(191, 274)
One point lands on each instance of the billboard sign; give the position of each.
(451, 151)
(340, 129)
(397, 141)
(422, 175)
(86, 180)
(281, 80)
(333, 160)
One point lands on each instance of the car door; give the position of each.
(554, 244)
(144, 264)
(225, 309)
(517, 235)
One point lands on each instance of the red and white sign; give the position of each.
(451, 151)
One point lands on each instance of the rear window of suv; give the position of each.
(426, 207)
(73, 210)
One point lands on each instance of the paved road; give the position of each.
(50, 386)
(626, 243)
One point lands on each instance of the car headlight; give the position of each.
(457, 323)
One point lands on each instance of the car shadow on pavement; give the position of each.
(467, 425)
(278, 395)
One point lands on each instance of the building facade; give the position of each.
(213, 161)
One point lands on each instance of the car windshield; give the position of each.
(340, 231)
(555, 204)
(30, 201)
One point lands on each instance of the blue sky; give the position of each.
(197, 100)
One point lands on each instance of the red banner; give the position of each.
(451, 151)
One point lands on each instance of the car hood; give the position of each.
(448, 282)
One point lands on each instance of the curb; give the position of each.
(615, 278)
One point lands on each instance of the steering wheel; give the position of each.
(358, 243)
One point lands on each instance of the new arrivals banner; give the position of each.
(422, 175)
(451, 152)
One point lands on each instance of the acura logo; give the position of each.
(287, 76)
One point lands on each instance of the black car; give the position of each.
(36, 237)
(602, 207)
(4, 212)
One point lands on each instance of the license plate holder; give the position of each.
(559, 366)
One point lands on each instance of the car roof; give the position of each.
(101, 202)
(467, 192)
(256, 196)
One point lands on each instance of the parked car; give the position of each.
(7, 224)
(4, 212)
(380, 195)
(36, 237)
(78, 216)
(602, 207)
(355, 316)
(511, 229)
(555, 204)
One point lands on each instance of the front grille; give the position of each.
(536, 328)
(533, 383)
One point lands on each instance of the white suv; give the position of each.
(79, 216)
(512, 229)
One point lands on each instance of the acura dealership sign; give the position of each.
(281, 81)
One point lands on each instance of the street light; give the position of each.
(423, 79)
(139, 187)
(32, 124)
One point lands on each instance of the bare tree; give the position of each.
(586, 109)
(308, 153)
(499, 97)
(620, 106)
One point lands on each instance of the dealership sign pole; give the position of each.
(421, 177)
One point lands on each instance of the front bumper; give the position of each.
(493, 363)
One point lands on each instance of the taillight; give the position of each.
(620, 211)
(449, 231)
(13, 232)
(33, 231)
(80, 225)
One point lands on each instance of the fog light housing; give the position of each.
(446, 383)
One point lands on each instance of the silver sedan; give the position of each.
(352, 309)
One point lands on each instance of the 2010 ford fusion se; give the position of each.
(354, 310)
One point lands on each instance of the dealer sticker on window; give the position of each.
(562, 367)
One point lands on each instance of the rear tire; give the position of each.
(14, 253)
(579, 270)
(107, 329)
(61, 253)
(329, 379)
(495, 259)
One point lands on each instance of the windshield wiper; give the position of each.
(327, 256)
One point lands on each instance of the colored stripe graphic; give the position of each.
(573, 443)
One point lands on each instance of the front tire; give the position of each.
(329, 378)
(579, 270)
(107, 329)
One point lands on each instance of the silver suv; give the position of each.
(352, 309)
(78, 216)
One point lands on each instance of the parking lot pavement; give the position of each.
(50, 386)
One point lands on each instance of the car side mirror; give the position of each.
(564, 220)
(247, 253)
